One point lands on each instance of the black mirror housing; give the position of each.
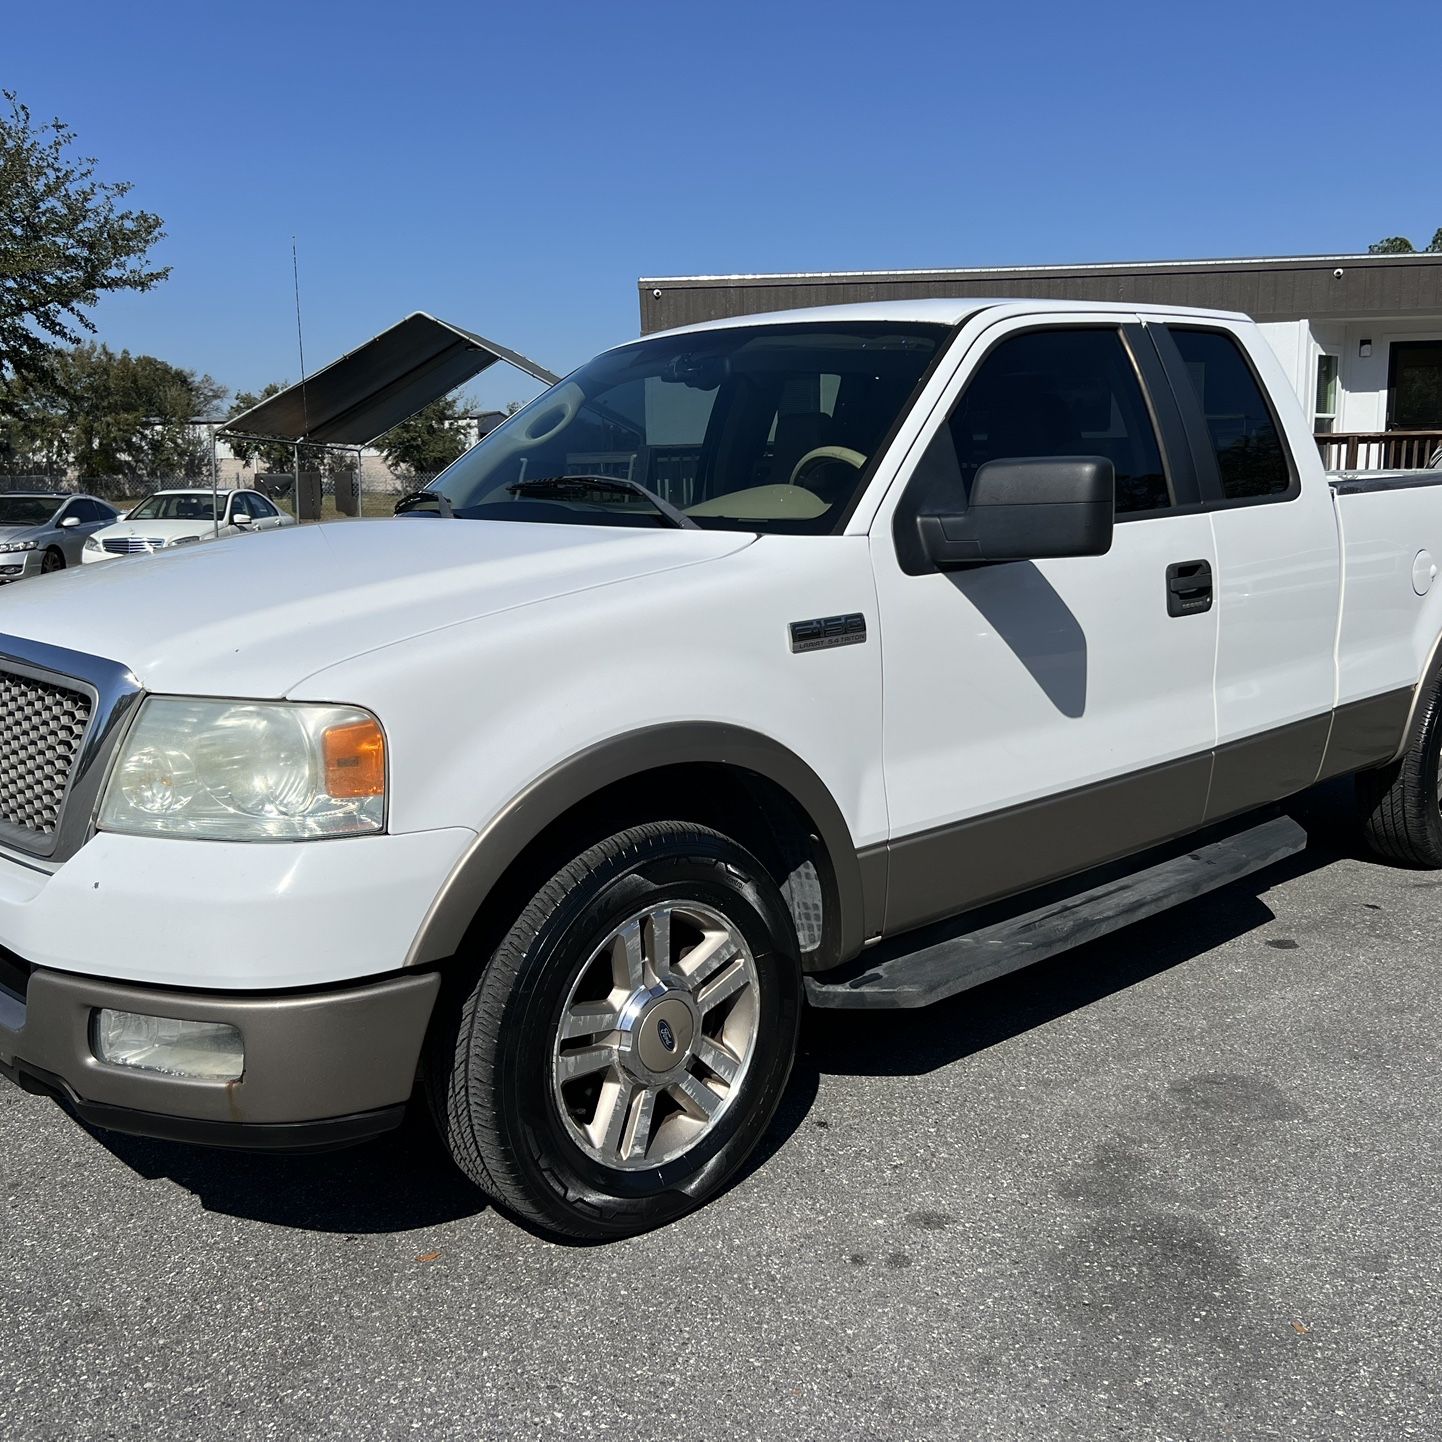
(1028, 508)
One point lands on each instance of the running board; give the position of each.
(956, 963)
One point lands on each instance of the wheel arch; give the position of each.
(707, 772)
(1431, 673)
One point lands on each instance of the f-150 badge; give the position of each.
(827, 631)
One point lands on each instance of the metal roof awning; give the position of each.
(365, 393)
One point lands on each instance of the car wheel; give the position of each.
(624, 1048)
(1401, 804)
(52, 560)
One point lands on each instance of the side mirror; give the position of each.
(68, 522)
(242, 518)
(1027, 509)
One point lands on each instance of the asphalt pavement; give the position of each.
(1182, 1183)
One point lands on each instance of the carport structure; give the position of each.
(353, 401)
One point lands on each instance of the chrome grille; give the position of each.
(42, 727)
(131, 545)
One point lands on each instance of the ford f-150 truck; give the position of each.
(846, 657)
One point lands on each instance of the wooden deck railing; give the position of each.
(1378, 450)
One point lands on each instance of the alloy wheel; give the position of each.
(656, 1036)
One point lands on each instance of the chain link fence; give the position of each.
(378, 497)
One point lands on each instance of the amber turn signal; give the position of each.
(355, 760)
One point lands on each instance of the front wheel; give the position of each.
(626, 1045)
(52, 561)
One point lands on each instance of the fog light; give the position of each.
(209, 1050)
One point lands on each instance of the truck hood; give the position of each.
(256, 615)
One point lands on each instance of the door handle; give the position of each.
(1189, 588)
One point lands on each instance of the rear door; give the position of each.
(1042, 717)
(267, 518)
(1278, 563)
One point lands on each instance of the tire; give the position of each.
(672, 961)
(1401, 804)
(52, 561)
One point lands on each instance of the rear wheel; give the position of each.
(1401, 803)
(626, 1045)
(52, 560)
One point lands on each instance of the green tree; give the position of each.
(1400, 245)
(429, 441)
(100, 413)
(64, 241)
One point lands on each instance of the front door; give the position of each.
(1041, 717)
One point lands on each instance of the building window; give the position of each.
(1414, 386)
(1324, 415)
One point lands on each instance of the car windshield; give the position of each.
(27, 510)
(752, 428)
(189, 506)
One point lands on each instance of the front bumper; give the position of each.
(228, 916)
(17, 565)
(322, 1069)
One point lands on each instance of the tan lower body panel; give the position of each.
(951, 869)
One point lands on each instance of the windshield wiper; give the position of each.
(577, 486)
(414, 500)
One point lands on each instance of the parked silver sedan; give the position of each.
(43, 531)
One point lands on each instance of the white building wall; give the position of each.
(1293, 342)
(1362, 380)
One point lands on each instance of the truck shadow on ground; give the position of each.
(405, 1182)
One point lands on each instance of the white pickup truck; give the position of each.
(846, 657)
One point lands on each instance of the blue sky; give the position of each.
(515, 169)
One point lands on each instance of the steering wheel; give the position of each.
(824, 454)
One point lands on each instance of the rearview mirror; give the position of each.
(1027, 509)
(69, 521)
(241, 518)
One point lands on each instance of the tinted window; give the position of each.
(260, 508)
(1062, 393)
(1244, 433)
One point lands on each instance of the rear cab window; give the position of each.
(1243, 437)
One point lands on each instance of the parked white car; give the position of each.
(842, 658)
(177, 518)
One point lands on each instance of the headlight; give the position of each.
(17, 546)
(178, 541)
(248, 771)
(93, 544)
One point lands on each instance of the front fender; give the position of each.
(860, 879)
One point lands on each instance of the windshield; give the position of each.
(27, 510)
(756, 428)
(192, 506)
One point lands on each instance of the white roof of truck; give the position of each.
(944, 311)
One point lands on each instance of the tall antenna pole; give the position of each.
(300, 346)
(214, 485)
